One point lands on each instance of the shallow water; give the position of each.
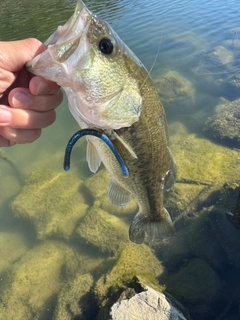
(166, 35)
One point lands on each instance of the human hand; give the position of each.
(27, 102)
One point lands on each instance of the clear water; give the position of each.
(165, 35)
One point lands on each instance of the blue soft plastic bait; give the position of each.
(98, 134)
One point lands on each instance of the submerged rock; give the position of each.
(176, 92)
(146, 303)
(74, 299)
(217, 72)
(52, 202)
(231, 86)
(133, 260)
(224, 125)
(226, 232)
(12, 247)
(29, 288)
(97, 187)
(103, 231)
(204, 162)
(217, 57)
(188, 285)
(199, 235)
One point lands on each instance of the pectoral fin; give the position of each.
(93, 158)
(117, 195)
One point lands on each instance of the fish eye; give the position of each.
(106, 46)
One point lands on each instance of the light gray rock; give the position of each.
(148, 304)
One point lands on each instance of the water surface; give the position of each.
(165, 35)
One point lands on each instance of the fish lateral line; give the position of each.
(98, 134)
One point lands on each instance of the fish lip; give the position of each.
(67, 32)
(71, 26)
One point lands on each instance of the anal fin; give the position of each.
(117, 195)
(171, 175)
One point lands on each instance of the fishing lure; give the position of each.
(98, 134)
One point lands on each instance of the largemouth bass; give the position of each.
(109, 89)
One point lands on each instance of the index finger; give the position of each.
(15, 54)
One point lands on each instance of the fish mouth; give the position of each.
(74, 60)
(65, 48)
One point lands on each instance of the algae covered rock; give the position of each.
(200, 235)
(134, 260)
(176, 92)
(103, 231)
(74, 300)
(97, 185)
(195, 283)
(214, 70)
(97, 189)
(224, 125)
(217, 59)
(233, 86)
(203, 161)
(12, 247)
(52, 202)
(174, 252)
(32, 283)
(225, 230)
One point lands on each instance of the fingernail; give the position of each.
(20, 99)
(43, 88)
(5, 117)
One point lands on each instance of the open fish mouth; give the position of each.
(83, 57)
(65, 47)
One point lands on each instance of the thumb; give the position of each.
(14, 54)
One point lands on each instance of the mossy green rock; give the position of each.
(97, 184)
(195, 283)
(202, 168)
(73, 298)
(134, 260)
(183, 197)
(33, 281)
(203, 161)
(102, 230)
(226, 234)
(200, 235)
(176, 92)
(52, 202)
(12, 247)
(97, 187)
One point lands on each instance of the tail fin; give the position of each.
(156, 229)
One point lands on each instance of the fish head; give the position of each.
(95, 68)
